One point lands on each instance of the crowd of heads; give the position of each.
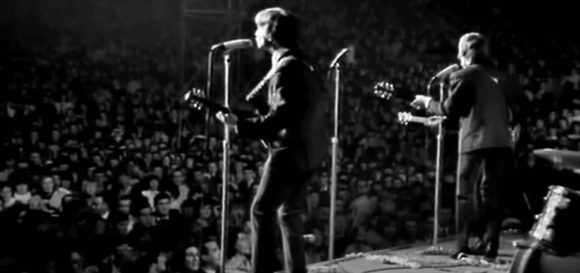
(102, 167)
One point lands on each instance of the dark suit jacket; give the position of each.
(478, 98)
(296, 121)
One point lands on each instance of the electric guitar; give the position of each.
(386, 90)
(406, 118)
(197, 100)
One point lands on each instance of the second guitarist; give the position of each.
(478, 98)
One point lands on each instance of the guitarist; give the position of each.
(478, 96)
(294, 129)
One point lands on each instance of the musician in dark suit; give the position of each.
(294, 129)
(478, 97)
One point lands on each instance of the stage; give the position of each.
(421, 257)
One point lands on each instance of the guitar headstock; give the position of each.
(384, 90)
(192, 97)
(404, 117)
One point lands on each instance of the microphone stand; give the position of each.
(457, 179)
(438, 163)
(333, 180)
(207, 120)
(225, 169)
(208, 92)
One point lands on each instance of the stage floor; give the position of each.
(423, 258)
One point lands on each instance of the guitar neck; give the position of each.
(415, 119)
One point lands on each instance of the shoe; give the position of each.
(478, 248)
(458, 255)
(489, 259)
(490, 252)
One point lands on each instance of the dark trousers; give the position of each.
(482, 175)
(279, 203)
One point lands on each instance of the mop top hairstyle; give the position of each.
(282, 26)
(474, 47)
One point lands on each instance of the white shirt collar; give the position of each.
(277, 54)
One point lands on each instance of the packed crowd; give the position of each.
(102, 169)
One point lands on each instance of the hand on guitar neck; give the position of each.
(406, 117)
(386, 90)
(197, 100)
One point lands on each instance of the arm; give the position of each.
(460, 100)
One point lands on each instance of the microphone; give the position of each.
(442, 74)
(446, 71)
(309, 238)
(338, 57)
(233, 44)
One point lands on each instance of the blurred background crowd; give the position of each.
(104, 169)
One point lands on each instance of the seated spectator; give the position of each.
(22, 194)
(240, 262)
(161, 264)
(574, 133)
(7, 198)
(341, 236)
(179, 188)
(66, 181)
(360, 242)
(207, 221)
(52, 195)
(89, 189)
(123, 186)
(152, 189)
(124, 205)
(210, 256)
(169, 222)
(312, 201)
(361, 208)
(191, 263)
(189, 210)
(238, 217)
(144, 235)
(76, 263)
(389, 231)
(7, 169)
(374, 236)
(410, 232)
(95, 230)
(100, 207)
(120, 229)
(127, 258)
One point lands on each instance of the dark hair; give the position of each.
(210, 238)
(138, 204)
(124, 197)
(161, 196)
(282, 25)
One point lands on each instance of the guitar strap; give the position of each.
(256, 90)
